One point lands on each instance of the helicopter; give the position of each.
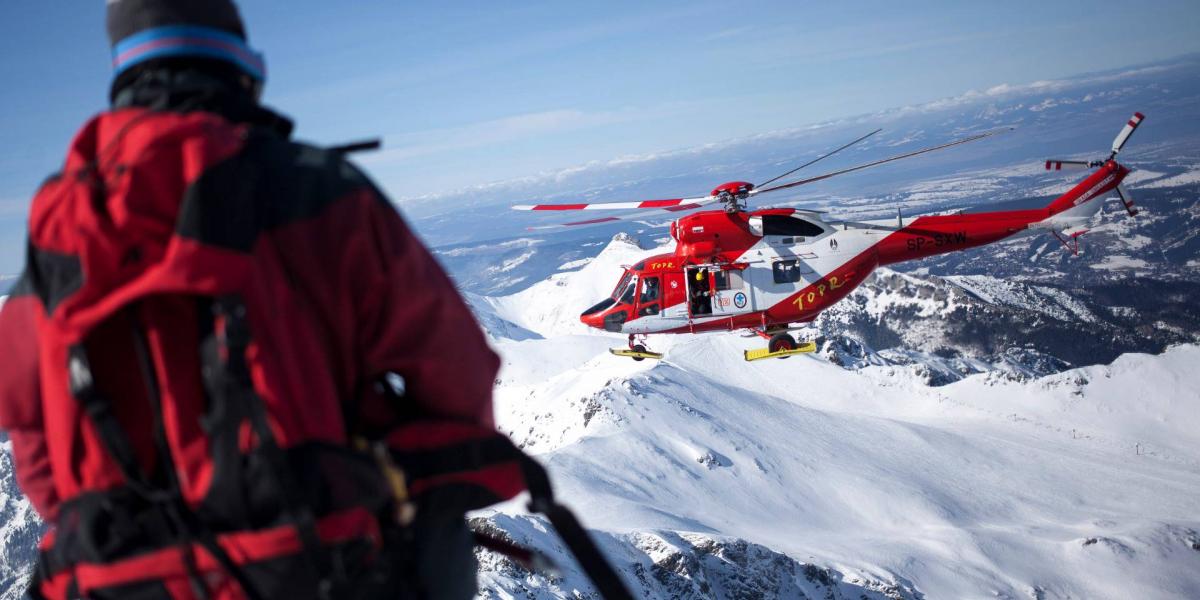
(772, 270)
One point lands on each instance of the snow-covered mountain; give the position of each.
(708, 477)
(20, 530)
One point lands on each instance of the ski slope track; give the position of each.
(703, 476)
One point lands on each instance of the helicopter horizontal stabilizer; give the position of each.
(1069, 238)
(1058, 165)
(1074, 232)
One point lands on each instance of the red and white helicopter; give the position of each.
(767, 269)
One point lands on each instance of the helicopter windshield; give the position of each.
(622, 285)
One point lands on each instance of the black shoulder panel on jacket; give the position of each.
(22, 287)
(270, 183)
(55, 176)
(50, 275)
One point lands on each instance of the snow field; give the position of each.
(1082, 484)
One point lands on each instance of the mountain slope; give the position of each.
(1079, 484)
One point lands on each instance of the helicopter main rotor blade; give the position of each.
(822, 157)
(1126, 131)
(875, 163)
(669, 204)
(697, 203)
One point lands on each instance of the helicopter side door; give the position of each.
(674, 296)
(650, 295)
(732, 292)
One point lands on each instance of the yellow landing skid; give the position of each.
(761, 353)
(634, 354)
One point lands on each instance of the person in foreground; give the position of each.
(230, 370)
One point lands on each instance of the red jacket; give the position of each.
(201, 202)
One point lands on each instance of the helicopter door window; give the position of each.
(786, 271)
(648, 303)
(720, 281)
(789, 271)
(649, 289)
(727, 280)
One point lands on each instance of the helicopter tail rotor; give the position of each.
(1118, 143)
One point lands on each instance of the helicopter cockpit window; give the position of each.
(599, 306)
(786, 271)
(627, 295)
(793, 226)
(621, 285)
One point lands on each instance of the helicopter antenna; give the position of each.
(823, 156)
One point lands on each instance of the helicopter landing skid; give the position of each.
(761, 353)
(636, 351)
(636, 354)
(780, 345)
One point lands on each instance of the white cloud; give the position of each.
(1007, 89)
(497, 131)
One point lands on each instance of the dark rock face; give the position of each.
(666, 564)
(1027, 308)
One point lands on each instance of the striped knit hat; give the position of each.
(142, 30)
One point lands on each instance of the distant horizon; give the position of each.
(11, 255)
(994, 91)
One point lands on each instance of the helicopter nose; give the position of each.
(615, 321)
(593, 319)
(610, 319)
(600, 315)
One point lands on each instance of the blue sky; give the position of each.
(470, 92)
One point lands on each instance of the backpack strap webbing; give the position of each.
(230, 380)
(168, 500)
(435, 464)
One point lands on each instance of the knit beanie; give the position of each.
(143, 30)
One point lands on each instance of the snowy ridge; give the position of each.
(1049, 301)
(703, 471)
(1189, 177)
(674, 565)
(20, 529)
(552, 306)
